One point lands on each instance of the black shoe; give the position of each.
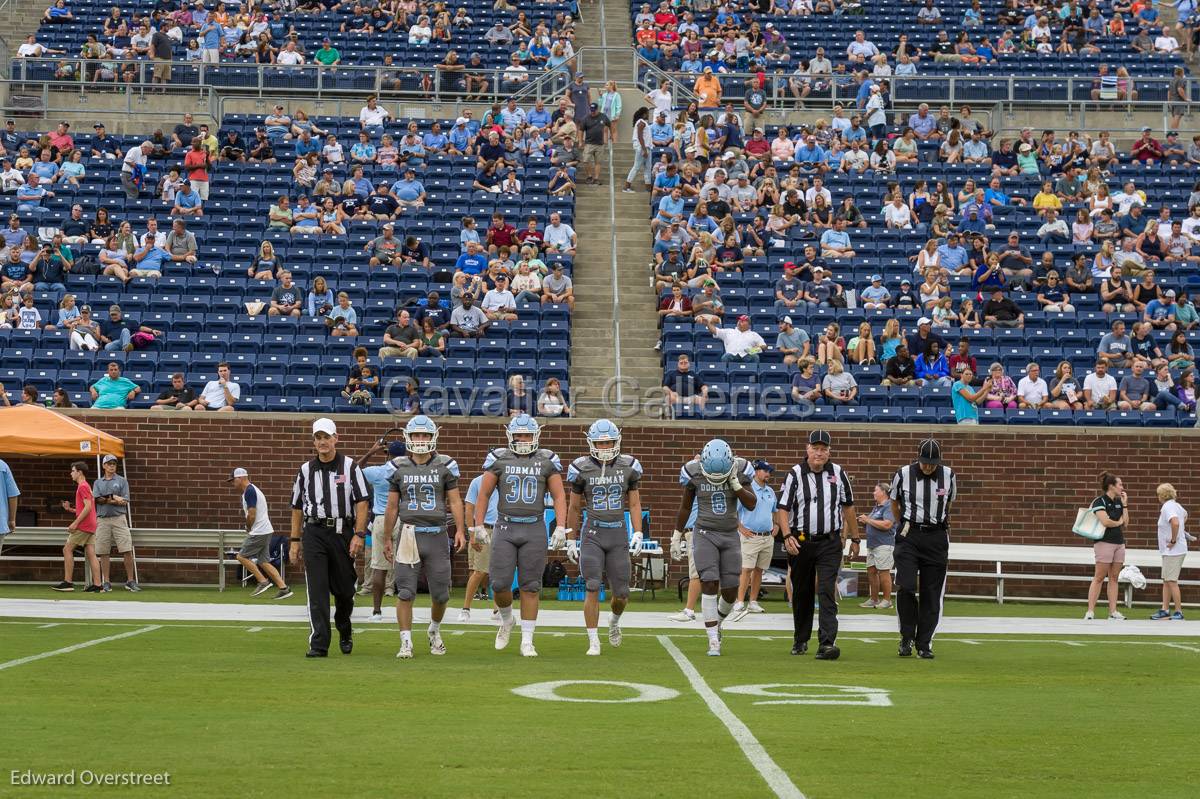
(93, 589)
(800, 649)
(926, 654)
(346, 645)
(830, 652)
(316, 653)
(63, 586)
(905, 649)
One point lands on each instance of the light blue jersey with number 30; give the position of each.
(521, 479)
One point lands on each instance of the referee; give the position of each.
(815, 507)
(329, 498)
(922, 493)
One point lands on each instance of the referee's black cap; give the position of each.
(397, 449)
(930, 452)
(819, 437)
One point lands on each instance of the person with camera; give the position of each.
(111, 491)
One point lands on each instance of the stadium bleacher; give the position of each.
(285, 363)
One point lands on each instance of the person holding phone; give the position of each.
(1112, 509)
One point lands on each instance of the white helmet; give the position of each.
(603, 430)
(416, 425)
(523, 424)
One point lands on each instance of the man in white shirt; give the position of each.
(559, 237)
(219, 394)
(289, 55)
(31, 49)
(896, 214)
(134, 159)
(818, 187)
(1191, 225)
(860, 49)
(1032, 389)
(372, 117)
(499, 303)
(1126, 198)
(1166, 43)
(255, 554)
(1100, 388)
(742, 344)
(515, 73)
(153, 236)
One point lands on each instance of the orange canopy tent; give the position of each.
(34, 430)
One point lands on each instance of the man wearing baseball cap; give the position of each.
(329, 515)
(922, 493)
(757, 528)
(111, 492)
(742, 345)
(255, 554)
(816, 510)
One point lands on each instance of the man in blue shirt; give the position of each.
(478, 555)
(811, 156)
(670, 208)
(409, 190)
(30, 196)
(472, 262)
(539, 117)
(666, 180)
(661, 132)
(758, 544)
(210, 38)
(306, 144)
(435, 141)
(461, 138)
(952, 255)
(8, 502)
(835, 242)
(379, 569)
(511, 116)
(993, 195)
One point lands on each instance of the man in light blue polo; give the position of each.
(835, 241)
(952, 255)
(8, 502)
(379, 566)
(758, 542)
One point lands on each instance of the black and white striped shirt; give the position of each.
(814, 500)
(329, 490)
(924, 499)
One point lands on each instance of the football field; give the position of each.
(233, 709)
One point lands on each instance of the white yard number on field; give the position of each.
(813, 694)
(549, 691)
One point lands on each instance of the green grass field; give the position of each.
(229, 712)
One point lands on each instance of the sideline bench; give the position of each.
(1007, 555)
(143, 538)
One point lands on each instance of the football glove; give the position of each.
(573, 551)
(733, 482)
(480, 534)
(677, 545)
(635, 544)
(559, 539)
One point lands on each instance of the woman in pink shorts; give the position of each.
(1112, 509)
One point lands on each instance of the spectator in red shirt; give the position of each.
(61, 139)
(196, 164)
(81, 532)
(531, 235)
(1146, 149)
(963, 357)
(677, 307)
(500, 234)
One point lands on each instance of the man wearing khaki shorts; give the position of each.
(758, 544)
(479, 555)
(111, 491)
(379, 567)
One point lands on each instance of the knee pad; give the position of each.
(593, 584)
(532, 586)
(403, 592)
(441, 596)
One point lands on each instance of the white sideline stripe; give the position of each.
(1070, 643)
(48, 626)
(776, 778)
(76, 647)
(254, 629)
(1181, 646)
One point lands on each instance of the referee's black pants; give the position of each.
(815, 574)
(921, 558)
(328, 569)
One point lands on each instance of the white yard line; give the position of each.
(76, 647)
(776, 778)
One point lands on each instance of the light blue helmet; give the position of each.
(602, 430)
(716, 461)
(523, 424)
(416, 425)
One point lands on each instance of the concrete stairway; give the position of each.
(19, 19)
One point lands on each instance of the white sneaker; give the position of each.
(594, 648)
(389, 591)
(1116, 615)
(684, 615)
(738, 612)
(756, 608)
(527, 651)
(405, 652)
(503, 633)
(883, 604)
(464, 615)
(870, 603)
(436, 645)
(376, 617)
(714, 648)
(614, 635)
(1089, 616)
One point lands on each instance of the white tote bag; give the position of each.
(1088, 525)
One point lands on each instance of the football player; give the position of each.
(522, 472)
(605, 485)
(421, 489)
(717, 481)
